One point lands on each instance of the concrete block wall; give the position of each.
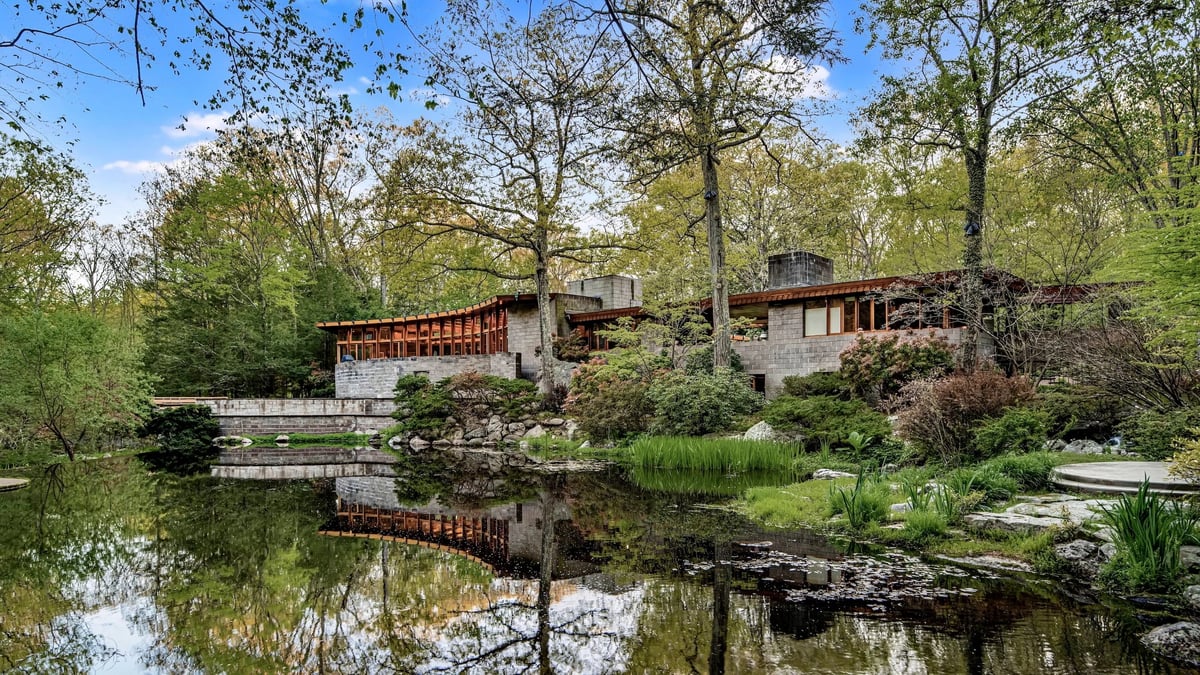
(524, 337)
(614, 291)
(798, 268)
(259, 416)
(376, 378)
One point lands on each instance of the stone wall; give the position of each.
(376, 378)
(798, 268)
(614, 292)
(261, 416)
(304, 463)
(524, 337)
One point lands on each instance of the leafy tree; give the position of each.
(74, 380)
(975, 68)
(712, 76)
(534, 96)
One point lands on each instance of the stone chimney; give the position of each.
(798, 268)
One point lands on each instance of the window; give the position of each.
(849, 315)
(815, 318)
(835, 316)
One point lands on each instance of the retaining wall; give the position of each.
(376, 378)
(258, 416)
(303, 463)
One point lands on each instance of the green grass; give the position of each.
(864, 503)
(1148, 530)
(798, 505)
(711, 483)
(710, 454)
(923, 525)
(348, 440)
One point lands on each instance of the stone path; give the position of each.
(1118, 477)
(7, 484)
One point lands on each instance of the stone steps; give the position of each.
(1120, 478)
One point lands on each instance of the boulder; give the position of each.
(1107, 551)
(475, 432)
(396, 442)
(1177, 641)
(571, 428)
(536, 432)
(902, 507)
(1192, 595)
(554, 422)
(1083, 447)
(830, 474)
(516, 428)
(1055, 445)
(1077, 511)
(1189, 558)
(1010, 522)
(1082, 556)
(418, 443)
(282, 440)
(760, 432)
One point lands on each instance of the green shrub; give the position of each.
(1148, 530)
(1017, 430)
(1153, 434)
(940, 416)
(710, 454)
(505, 395)
(816, 384)
(420, 404)
(608, 394)
(877, 367)
(1077, 410)
(345, 440)
(922, 525)
(694, 405)
(984, 479)
(867, 502)
(184, 435)
(700, 361)
(1186, 461)
(822, 418)
(1031, 472)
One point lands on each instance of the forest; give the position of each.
(677, 142)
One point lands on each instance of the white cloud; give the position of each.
(198, 124)
(787, 75)
(135, 167)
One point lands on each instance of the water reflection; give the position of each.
(105, 565)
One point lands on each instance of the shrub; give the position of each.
(877, 367)
(987, 480)
(700, 361)
(816, 384)
(608, 394)
(1078, 411)
(1153, 434)
(694, 405)
(1148, 531)
(826, 419)
(711, 454)
(940, 416)
(572, 348)
(506, 395)
(1017, 430)
(1187, 458)
(1031, 472)
(867, 502)
(184, 435)
(421, 405)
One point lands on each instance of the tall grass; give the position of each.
(866, 502)
(711, 483)
(1148, 530)
(710, 454)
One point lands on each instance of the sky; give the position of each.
(120, 143)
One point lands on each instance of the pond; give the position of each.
(107, 567)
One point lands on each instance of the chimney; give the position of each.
(798, 268)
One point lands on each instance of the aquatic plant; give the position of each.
(866, 502)
(1148, 530)
(922, 524)
(711, 454)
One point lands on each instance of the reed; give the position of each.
(1148, 530)
(710, 454)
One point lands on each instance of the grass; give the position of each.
(347, 440)
(796, 505)
(923, 525)
(709, 483)
(1148, 530)
(864, 503)
(711, 454)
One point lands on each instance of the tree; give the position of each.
(977, 66)
(533, 97)
(712, 76)
(275, 52)
(74, 380)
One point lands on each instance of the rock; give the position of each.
(585, 444)
(1082, 447)
(830, 474)
(1107, 551)
(1046, 499)
(1177, 641)
(760, 432)
(902, 507)
(571, 428)
(475, 442)
(536, 432)
(480, 408)
(418, 443)
(282, 440)
(890, 468)
(523, 446)
(1104, 533)
(1077, 511)
(375, 441)
(475, 432)
(554, 422)
(1081, 555)
(451, 421)
(1189, 558)
(441, 443)
(1056, 445)
(458, 441)
(516, 428)
(1010, 522)
(396, 442)
(1192, 595)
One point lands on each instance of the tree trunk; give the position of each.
(546, 321)
(716, 260)
(972, 281)
(722, 586)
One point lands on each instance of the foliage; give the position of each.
(985, 479)
(74, 380)
(508, 395)
(940, 416)
(1074, 410)
(799, 504)
(1030, 472)
(421, 405)
(1154, 435)
(694, 405)
(822, 418)
(343, 440)
(184, 435)
(816, 384)
(922, 525)
(713, 483)
(1017, 430)
(608, 395)
(700, 361)
(1148, 530)
(867, 502)
(710, 454)
(875, 368)
(1186, 461)
(573, 348)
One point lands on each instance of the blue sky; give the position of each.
(119, 142)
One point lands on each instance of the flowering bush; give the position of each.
(875, 368)
(608, 394)
(941, 416)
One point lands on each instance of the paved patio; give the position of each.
(7, 484)
(1121, 477)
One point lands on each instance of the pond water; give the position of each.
(106, 567)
